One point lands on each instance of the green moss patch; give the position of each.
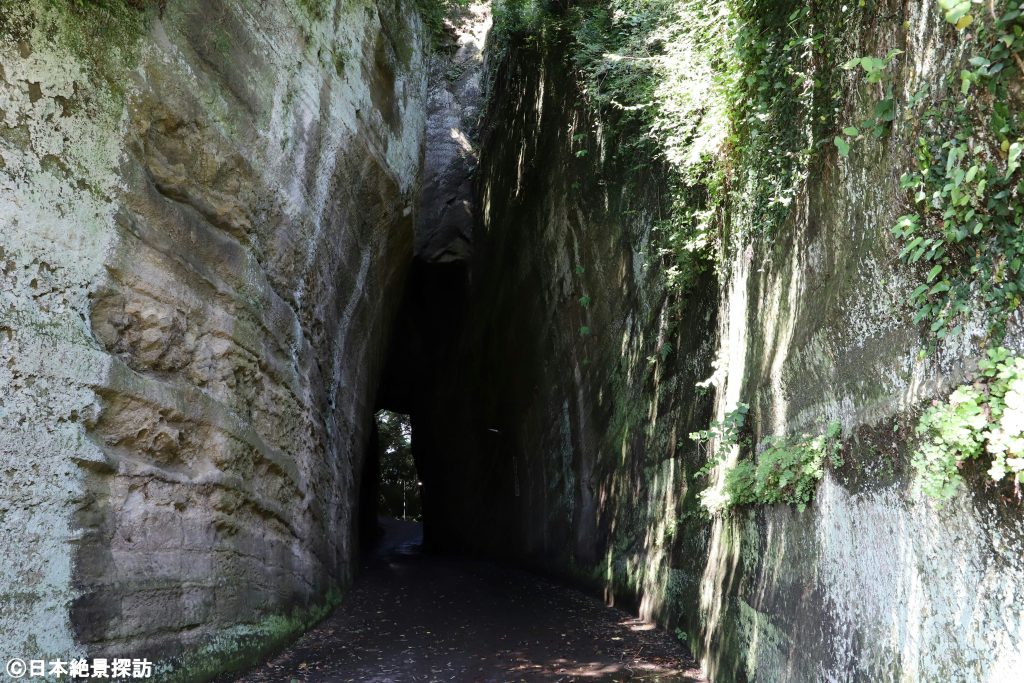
(245, 645)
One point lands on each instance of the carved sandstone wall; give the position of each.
(206, 216)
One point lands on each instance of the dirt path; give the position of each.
(415, 617)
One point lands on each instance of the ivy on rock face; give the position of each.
(732, 97)
(784, 99)
(876, 71)
(658, 100)
(957, 12)
(967, 183)
(736, 97)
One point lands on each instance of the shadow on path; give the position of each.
(411, 616)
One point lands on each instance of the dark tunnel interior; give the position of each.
(424, 342)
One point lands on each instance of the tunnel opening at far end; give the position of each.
(391, 485)
(399, 483)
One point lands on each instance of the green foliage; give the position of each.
(842, 145)
(399, 481)
(517, 19)
(967, 183)
(736, 98)
(877, 71)
(787, 470)
(730, 97)
(433, 13)
(725, 432)
(986, 417)
(954, 433)
(658, 103)
(875, 68)
(957, 12)
(785, 97)
(741, 484)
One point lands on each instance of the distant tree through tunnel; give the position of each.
(399, 491)
(390, 485)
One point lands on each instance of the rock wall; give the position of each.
(444, 231)
(558, 432)
(206, 220)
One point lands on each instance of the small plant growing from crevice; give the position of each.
(726, 432)
(786, 471)
(985, 418)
